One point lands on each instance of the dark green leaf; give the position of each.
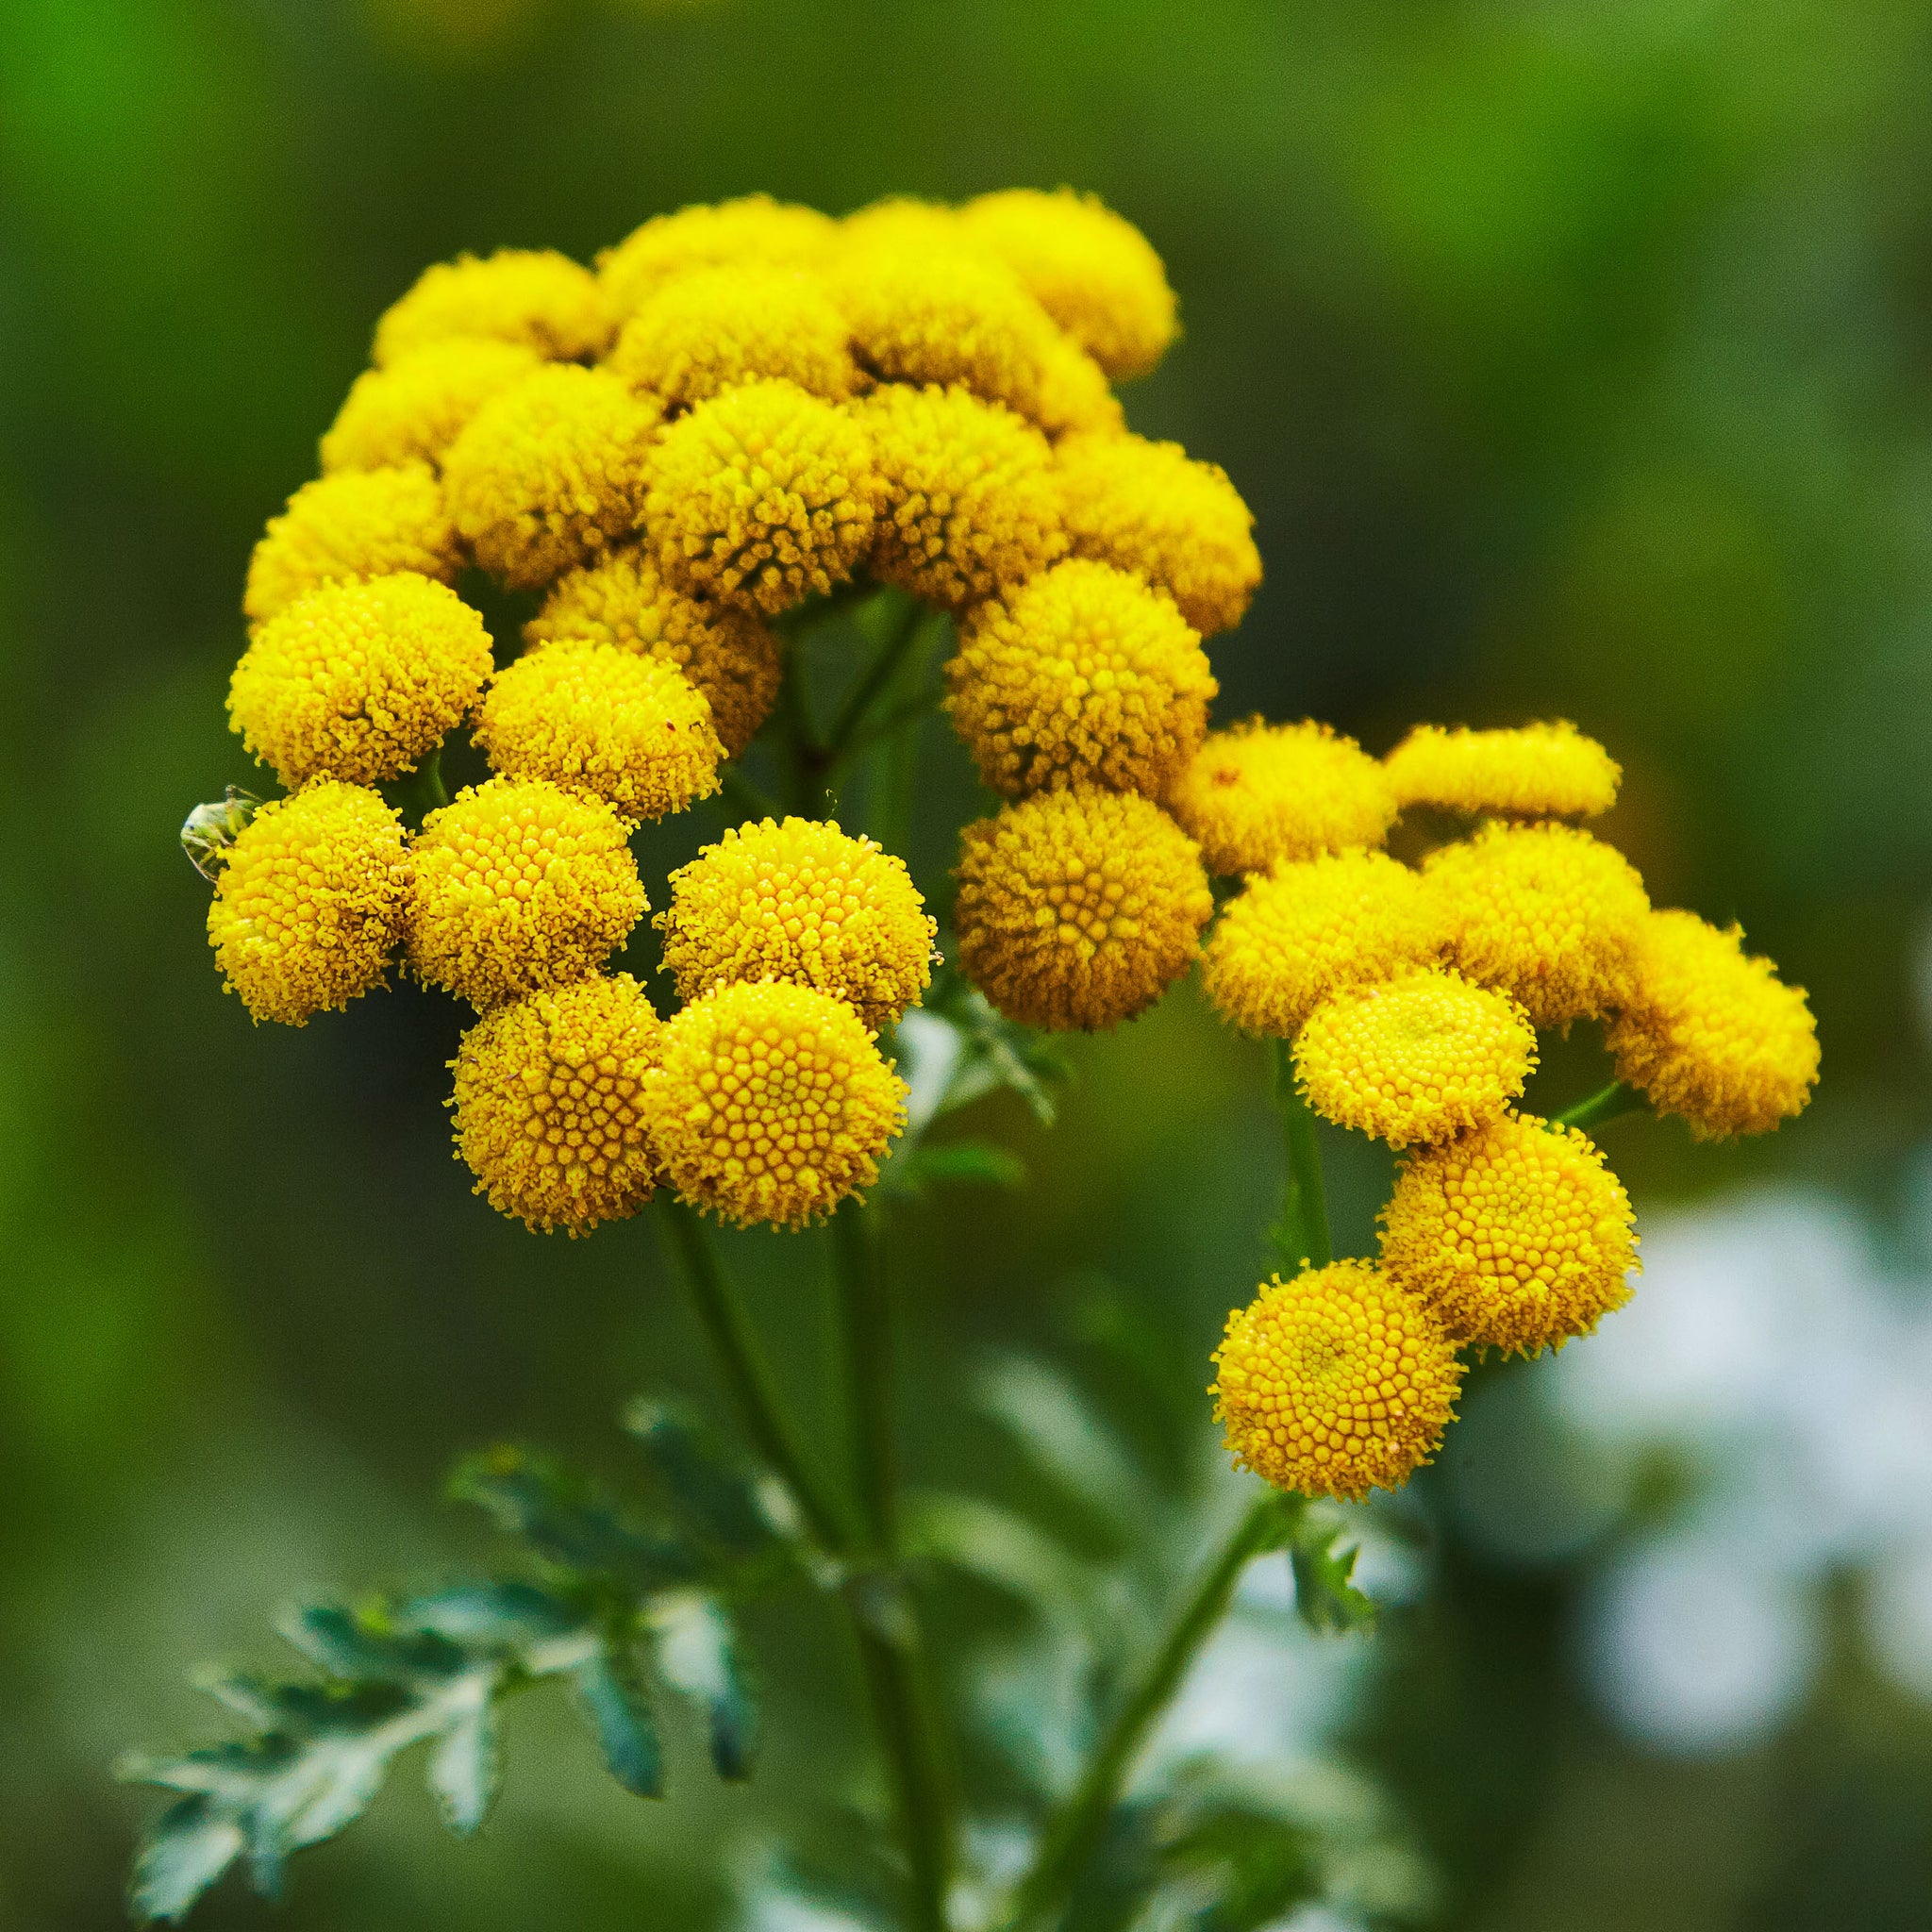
(716, 1500)
(1323, 1592)
(696, 1653)
(188, 1848)
(613, 1690)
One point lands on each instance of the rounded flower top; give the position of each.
(800, 902)
(1516, 1233)
(1078, 909)
(621, 599)
(1292, 937)
(1335, 1384)
(530, 295)
(1149, 507)
(772, 1104)
(549, 1103)
(970, 504)
(359, 524)
(1082, 674)
(1257, 794)
(751, 228)
(550, 471)
(358, 680)
(412, 411)
(519, 885)
(310, 905)
(1711, 1033)
(1418, 1056)
(905, 222)
(1535, 772)
(629, 727)
(761, 496)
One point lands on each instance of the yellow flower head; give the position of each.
(550, 471)
(731, 655)
(1081, 675)
(1711, 1033)
(310, 905)
(549, 1103)
(1091, 270)
(772, 1104)
(1258, 793)
(359, 524)
(801, 903)
(1078, 909)
(519, 885)
(1536, 772)
(529, 295)
(712, 329)
(1418, 1056)
(762, 495)
(412, 411)
(1516, 1233)
(1545, 912)
(1335, 1384)
(970, 504)
(902, 222)
(358, 680)
(625, 727)
(751, 228)
(1149, 507)
(1291, 937)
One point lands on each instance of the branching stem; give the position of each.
(1606, 1104)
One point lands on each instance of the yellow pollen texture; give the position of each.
(533, 296)
(754, 227)
(1335, 1384)
(412, 411)
(1535, 772)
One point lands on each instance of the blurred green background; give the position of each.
(1575, 357)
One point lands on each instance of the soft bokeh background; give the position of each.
(1574, 356)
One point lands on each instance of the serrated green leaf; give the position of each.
(337, 1639)
(716, 1499)
(462, 1767)
(954, 1047)
(1323, 1593)
(613, 1690)
(188, 1849)
(496, 1616)
(696, 1653)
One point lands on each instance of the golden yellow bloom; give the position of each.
(771, 1103)
(549, 1103)
(731, 655)
(1089, 269)
(519, 885)
(359, 523)
(904, 222)
(1545, 912)
(1083, 673)
(550, 471)
(762, 495)
(412, 411)
(310, 905)
(358, 680)
(1536, 772)
(1291, 937)
(1257, 794)
(1418, 1056)
(1078, 909)
(1711, 1033)
(629, 727)
(803, 902)
(751, 228)
(1149, 507)
(1335, 1384)
(970, 504)
(530, 295)
(1516, 1233)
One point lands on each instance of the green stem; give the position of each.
(1606, 1104)
(743, 796)
(1302, 1239)
(432, 794)
(865, 1319)
(878, 673)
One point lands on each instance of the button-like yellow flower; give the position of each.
(772, 1104)
(1291, 937)
(550, 471)
(761, 496)
(1419, 1057)
(970, 504)
(906, 223)
(1711, 1033)
(1535, 772)
(530, 295)
(1149, 507)
(310, 905)
(412, 411)
(1078, 909)
(751, 228)
(1517, 1234)
(803, 903)
(358, 680)
(1335, 1383)
(629, 727)
(549, 1103)
(519, 885)
(1258, 793)
(359, 523)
